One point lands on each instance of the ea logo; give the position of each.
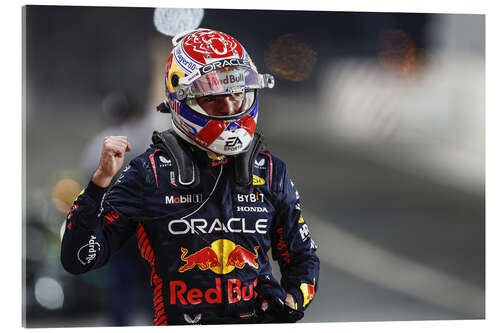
(233, 141)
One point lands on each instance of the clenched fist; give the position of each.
(112, 156)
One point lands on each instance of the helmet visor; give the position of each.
(227, 80)
(232, 80)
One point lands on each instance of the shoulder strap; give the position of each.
(187, 173)
(242, 177)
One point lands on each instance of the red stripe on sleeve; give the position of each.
(156, 281)
(152, 160)
(270, 167)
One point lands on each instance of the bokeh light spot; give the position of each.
(49, 293)
(290, 58)
(64, 193)
(171, 21)
(397, 51)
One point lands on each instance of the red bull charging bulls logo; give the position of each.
(240, 256)
(205, 258)
(221, 257)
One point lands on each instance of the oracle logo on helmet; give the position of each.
(221, 64)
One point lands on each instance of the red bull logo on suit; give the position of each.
(205, 258)
(240, 256)
(180, 292)
(221, 257)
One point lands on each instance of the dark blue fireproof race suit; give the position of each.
(207, 246)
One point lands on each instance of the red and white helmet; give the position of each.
(203, 63)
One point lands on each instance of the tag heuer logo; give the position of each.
(258, 181)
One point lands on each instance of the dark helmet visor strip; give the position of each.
(226, 80)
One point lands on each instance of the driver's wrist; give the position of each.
(290, 301)
(100, 179)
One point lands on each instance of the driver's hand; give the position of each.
(112, 156)
(289, 301)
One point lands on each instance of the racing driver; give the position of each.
(207, 200)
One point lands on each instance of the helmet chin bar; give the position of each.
(189, 140)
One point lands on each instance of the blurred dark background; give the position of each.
(379, 116)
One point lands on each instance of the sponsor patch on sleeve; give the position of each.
(258, 181)
(307, 291)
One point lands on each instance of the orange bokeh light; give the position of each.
(290, 58)
(64, 193)
(397, 51)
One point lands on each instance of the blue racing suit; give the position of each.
(207, 246)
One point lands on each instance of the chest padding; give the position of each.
(242, 179)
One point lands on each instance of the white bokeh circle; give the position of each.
(49, 293)
(171, 21)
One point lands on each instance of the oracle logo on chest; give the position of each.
(233, 225)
